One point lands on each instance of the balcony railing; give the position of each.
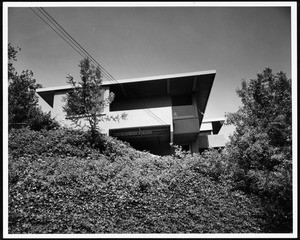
(183, 112)
(185, 120)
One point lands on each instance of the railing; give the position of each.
(185, 120)
(183, 112)
(186, 125)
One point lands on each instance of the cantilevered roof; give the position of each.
(198, 83)
(212, 124)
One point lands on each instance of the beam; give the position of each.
(123, 90)
(168, 86)
(194, 84)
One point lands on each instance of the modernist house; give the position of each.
(160, 110)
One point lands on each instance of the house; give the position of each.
(160, 110)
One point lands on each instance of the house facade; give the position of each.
(160, 110)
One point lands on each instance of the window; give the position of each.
(182, 100)
(182, 107)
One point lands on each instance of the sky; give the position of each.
(130, 42)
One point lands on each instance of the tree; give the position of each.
(260, 149)
(86, 101)
(23, 109)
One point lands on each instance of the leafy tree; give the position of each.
(23, 109)
(260, 149)
(87, 101)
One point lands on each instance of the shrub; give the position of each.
(261, 146)
(42, 120)
(54, 142)
(77, 189)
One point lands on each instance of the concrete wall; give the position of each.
(57, 111)
(185, 126)
(211, 141)
(135, 118)
(206, 126)
(146, 112)
(140, 118)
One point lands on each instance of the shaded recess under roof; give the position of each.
(197, 83)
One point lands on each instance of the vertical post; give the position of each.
(195, 146)
(106, 95)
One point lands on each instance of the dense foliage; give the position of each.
(260, 149)
(23, 109)
(86, 101)
(58, 183)
(62, 182)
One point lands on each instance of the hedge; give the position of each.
(60, 184)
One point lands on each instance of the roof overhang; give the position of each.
(197, 83)
(212, 124)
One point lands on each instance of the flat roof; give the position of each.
(217, 119)
(214, 124)
(133, 80)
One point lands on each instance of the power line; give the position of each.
(56, 31)
(70, 38)
(63, 37)
(80, 49)
(74, 41)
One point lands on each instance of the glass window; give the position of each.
(182, 100)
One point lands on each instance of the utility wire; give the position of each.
(71, 39)
(63, 37)
(109, 76)
(56, 32)
(80, 49)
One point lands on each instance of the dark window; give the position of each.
(182, 100)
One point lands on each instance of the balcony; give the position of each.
(183, 112)
(186, 124)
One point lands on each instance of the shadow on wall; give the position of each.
(203, 141)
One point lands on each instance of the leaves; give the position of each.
(23, 109)
(261, 145)
(117, 189)
(86, 100)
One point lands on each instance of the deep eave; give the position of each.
(198, 83)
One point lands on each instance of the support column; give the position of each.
(195, 146)
(106, 95)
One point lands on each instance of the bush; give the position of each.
(119, 190)
(260, 148)
(42, 120)
(65, 142)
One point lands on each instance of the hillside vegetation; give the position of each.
(60, 183)
(67, 181)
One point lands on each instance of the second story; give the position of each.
(178, 100)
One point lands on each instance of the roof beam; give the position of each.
(123, 90)
(194, 84)
(168, 86)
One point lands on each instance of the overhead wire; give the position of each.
(81, 51)
(49, 17)
(71, 39)
(56, 31)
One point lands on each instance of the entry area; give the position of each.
(155, 139)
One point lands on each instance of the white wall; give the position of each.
(206, 126)
(140, 118)
(43, 104)
(135, 118)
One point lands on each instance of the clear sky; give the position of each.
(129, 42)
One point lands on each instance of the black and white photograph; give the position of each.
(150, 119)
